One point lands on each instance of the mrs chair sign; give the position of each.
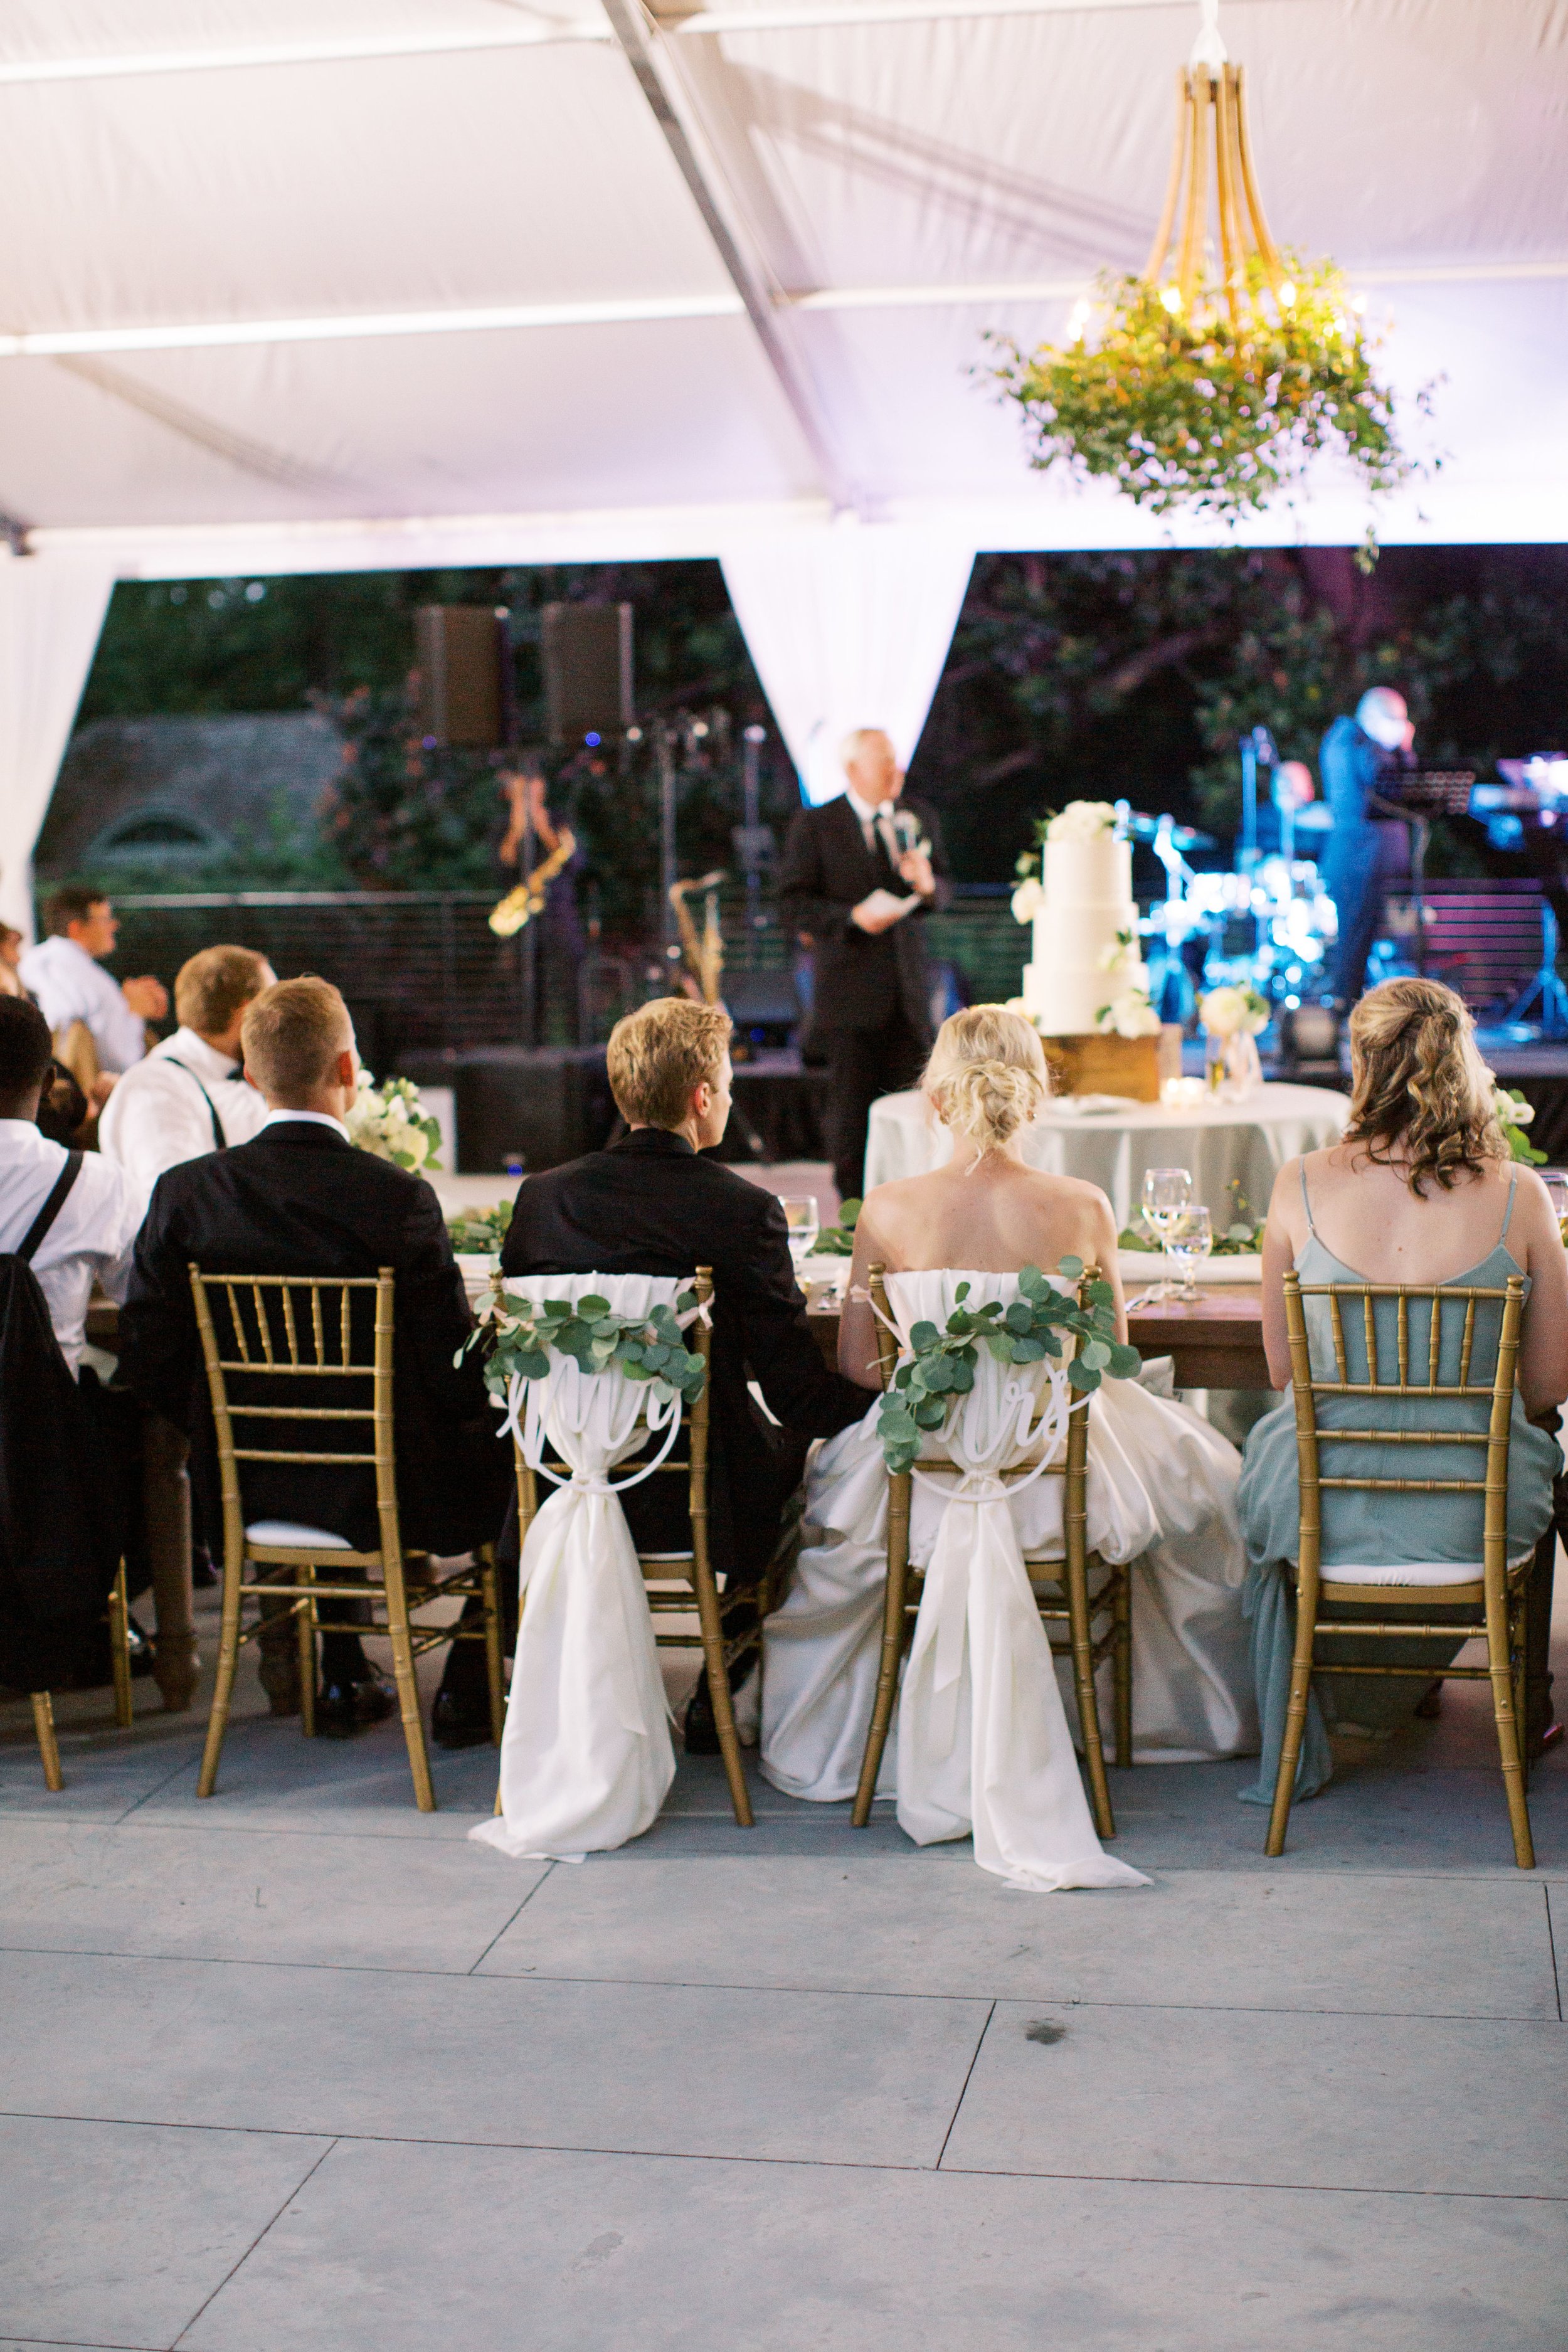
(1440, 1395)
(269, 1340)
(1074, 1589)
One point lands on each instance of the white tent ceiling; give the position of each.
(300, 284)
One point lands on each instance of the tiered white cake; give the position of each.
(1085, 936)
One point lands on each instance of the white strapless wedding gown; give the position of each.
(1161, 1493)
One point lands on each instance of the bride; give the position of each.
(1161, 1493)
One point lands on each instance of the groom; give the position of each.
(655, 1202)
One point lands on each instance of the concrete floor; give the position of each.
(298, 2070)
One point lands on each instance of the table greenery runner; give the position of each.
(941, 1362)
(479, 1233)
(519, 1337)
(838, 1241)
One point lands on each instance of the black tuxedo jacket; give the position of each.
(649, 1204)
(299, 1199)
(861, 981)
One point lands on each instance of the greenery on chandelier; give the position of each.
(1217, 405)
(942, 1360)
(520, 1337)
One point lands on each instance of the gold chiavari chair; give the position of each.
(282, 1329)
(1491, 1604)
(1084, 1589)
(672, 1581)
(42, 1701)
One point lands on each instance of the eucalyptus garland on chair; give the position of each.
(519, 1337)
(941, 1363)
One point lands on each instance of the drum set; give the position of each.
(1268, 924)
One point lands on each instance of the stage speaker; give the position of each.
(461, 650)
(586, 652)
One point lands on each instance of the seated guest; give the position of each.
(653, 1203)
(86, 1236)
(62, 972)
(298, 1199)
(1421, 1190)
(11, 946)
(90, 1237)
(189, 1095)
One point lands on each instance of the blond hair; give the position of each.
(211, 986)
(1420, 1092)
(291, 1036)
(660, 1054)
(986, 1074)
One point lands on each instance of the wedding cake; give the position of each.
(1086, 974)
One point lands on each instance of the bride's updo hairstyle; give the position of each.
(1421, 1093)
(986, 1074)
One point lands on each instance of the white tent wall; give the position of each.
(848, 627)
(51, 612)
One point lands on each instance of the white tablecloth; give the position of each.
(1217, 1141)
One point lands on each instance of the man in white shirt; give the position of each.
(63, 973)
(92, 1237)
(189, 1095)
(91, 1240)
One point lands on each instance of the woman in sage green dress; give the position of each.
(1421, 1190)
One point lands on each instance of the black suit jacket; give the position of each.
(861, 981)
(649, 1204)
(299, 1199)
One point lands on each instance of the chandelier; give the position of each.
(1214, 378)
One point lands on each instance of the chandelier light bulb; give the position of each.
(1171, 299)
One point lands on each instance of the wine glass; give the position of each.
(1188, 1245)
(805, 1224)
(1166, 1193)
(1556, 1184)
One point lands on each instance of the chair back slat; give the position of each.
(1467, 1343)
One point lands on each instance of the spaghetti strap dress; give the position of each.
(1378, 1532)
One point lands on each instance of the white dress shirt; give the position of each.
(313, 1118)
(92, 1237)
(161, 1113)
(69, 986)
(875, 822)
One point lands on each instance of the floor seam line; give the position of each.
(1551, 1946)
(964, 2092)
(508, 1925)
(176, 2340)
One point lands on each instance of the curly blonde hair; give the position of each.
(986, 1074)
(1421, 1093)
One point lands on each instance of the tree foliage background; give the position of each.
(1070, 675)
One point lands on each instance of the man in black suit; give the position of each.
(859, 873)
(655, 1202)
(299, 1198)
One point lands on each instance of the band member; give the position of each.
(555, 860)
(1361, 761)
(858, 873)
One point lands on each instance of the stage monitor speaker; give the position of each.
(461, 649)
(587, 660)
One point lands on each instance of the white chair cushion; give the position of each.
(1415, 1571)
(288, 1531)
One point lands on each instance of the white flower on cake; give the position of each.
(1028, 900)
(391, 1122)
(1233, 1013)
(1130, 1014)
(1082, 820)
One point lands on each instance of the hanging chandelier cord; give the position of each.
(1210, 83)
(1209, 49)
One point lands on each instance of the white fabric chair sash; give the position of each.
(587, 1758)
(983, 1739)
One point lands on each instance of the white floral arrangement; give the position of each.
(1234, 1012)
(1130, 1014)
(1028, 900)
(391, 1122)
(1082, 820)
(1513, 1115)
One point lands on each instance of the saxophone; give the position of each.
(522, 905)
(704, 955)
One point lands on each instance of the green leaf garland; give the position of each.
(519, 1337)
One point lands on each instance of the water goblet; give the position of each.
(1556, 1184)
(805, 1224)
(1189, 1246)
(1166, 1193)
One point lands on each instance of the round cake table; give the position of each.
(1112, 1145)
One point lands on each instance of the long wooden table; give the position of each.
(1216, 1339)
